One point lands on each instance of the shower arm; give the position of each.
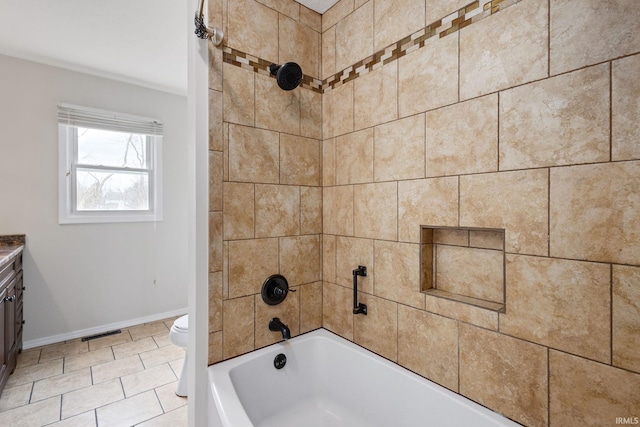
(203, 31)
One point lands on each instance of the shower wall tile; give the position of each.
(245, 279)
(453, 237)
(397, 278)
(504, 50)
(329, 258)
(277, 210)
(505, 374)
(558, 121)
(378, 330)
(599, 32)
(215, 347)
(582, 392)
(215, 180)
(215, 302)
(300, 260)
(463, 312)
(517, 201)
(329, 53)
(310, 114)
(420, 334)
(352, 252)
(431, 201)
(625, 109)
(337, 111)
(477, 273)
(486, 239)
(255, 32)
(369, 109)
(375, 210)
(253, 155)
(428, 77)
(215, 120)
(354, 157)
(337, 210)
(239, 326)
(329, 162)
(337, 310)
(626, 317)
(594, 212)
(393, 141)
(310, 18)
(354, 36)
(395, 20)
(455, 146)
(285, 7)
(336, 13)
(276, 109)
(215, 241)
(310, 306)
(225, 152)
(299, 43)
(299, 160)
(288, 312)
(238, 210)
(567, 301)
(215, 67)
(438, 9)
(310, 210)
(238, 95)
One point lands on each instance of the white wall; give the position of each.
(80, 277)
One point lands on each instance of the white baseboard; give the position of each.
(101, 329)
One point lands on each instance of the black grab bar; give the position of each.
(358, 308)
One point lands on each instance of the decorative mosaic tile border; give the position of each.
(450, 24)
(260, 66)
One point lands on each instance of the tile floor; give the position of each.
(127, 379)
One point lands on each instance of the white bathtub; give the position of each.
(329, 381)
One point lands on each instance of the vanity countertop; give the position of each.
(10, 246)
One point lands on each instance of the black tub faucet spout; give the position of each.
(277, 326)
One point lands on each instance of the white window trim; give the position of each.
(66, 155)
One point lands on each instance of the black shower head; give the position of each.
(288, 75)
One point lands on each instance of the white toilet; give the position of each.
(179, 335)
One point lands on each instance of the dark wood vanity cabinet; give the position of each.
(11, 287)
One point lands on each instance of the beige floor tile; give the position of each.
(33, 373)
(15, 396)
(147, 379)
(120, 338)
(178, 417)
(162, 340)
(169, 322)
(35, 414)
(85, 399)
(128, 349)
(176, 365)
(168, 397)
(161, 355)
(85, 360)
(87, 419)
(58, 351)
(131, 411)
(147, 330)
(28, 358)
(60, 384)
(117, 368)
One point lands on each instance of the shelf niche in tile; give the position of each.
(464, 264)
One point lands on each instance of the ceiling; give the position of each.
(142, 41)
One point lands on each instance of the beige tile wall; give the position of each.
(526, 119)
(265, 177)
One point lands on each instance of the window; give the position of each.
(109, 165)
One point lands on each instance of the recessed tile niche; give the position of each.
(464, 264)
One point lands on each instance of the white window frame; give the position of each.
(70, 117)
